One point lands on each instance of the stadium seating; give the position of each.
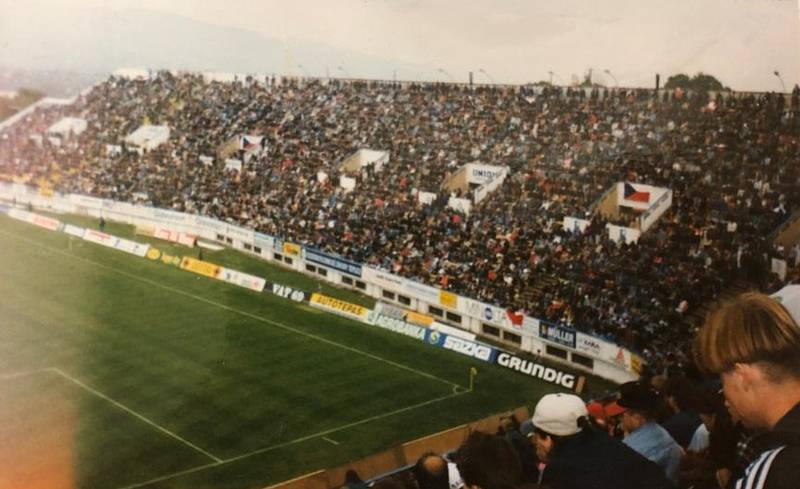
(731, 162)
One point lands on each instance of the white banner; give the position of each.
(233, 164)
(651, 215)
(575, 224)
(212, 225)
(347, 183)
(86, 201)
(132, 247)
(619, 233)
(36, 219)
(487, 313)
(384, 280)
(425, 198)
(239, 233)
(483, 174)
(100, 238)
(74, 230)
(241, 279)
(173, 217)
(461, 205)
(175, 236)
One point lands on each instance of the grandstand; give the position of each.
(547, 234)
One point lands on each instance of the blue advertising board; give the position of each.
(334, 262)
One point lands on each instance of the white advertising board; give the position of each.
(241, 279)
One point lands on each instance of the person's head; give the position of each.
(557, 416)
(352, 477)
(680, 394)
(711, 407)
(753, 344)
(430, 471)
(636, 404)
(488, 462)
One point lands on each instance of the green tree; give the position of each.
(700, 82)
(678, 81)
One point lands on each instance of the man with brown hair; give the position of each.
(753, 343)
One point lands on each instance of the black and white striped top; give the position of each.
(755, 477)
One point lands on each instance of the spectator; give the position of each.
(713, 466)
(488, 462)
(753, 343)
(353, 481)
(432, 471)
(681, 397)
(577, 456)
(643, 434)
(510, 430)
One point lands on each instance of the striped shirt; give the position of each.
(755, 477)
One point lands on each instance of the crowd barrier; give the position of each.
(551, 342)
(404, 455)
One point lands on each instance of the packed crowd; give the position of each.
(664, 432)
(730, 161)
(678, 436)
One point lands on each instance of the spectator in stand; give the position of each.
(681, 395)
(753, 343)
(713, 466)
(353, 481)
(488, 461)
(432, 471)
(639, 401)
(579, 456)
(510, 430)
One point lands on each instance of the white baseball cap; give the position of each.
(557, 414)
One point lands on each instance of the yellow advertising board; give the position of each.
(417, 318)
(291, 249)
(338, 307)
(448, 299)
(200, 267)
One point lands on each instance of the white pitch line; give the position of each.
(135, 414)
(321, 434)
(236, 311)
(17, 375)
(333, 442)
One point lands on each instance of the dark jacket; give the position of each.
(593, 460)
(778, 467)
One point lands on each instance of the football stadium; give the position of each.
(218, 279)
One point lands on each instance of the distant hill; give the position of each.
(100, 41)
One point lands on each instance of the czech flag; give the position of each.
(251, 143)
(632, 194)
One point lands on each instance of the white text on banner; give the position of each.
(241, 279)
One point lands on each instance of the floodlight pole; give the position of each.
(783, 85)
(608, 72)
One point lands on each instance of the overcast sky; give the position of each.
(742, 42)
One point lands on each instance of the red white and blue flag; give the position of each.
(631, 193)
(251, 143)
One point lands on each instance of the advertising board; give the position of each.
(337, 306)
(334, 262)
(241, 279)
(200, 267)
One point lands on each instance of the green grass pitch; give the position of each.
(134, 373)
